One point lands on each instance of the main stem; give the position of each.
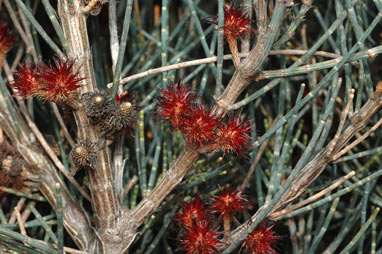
(106, 207)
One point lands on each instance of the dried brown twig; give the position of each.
(336, 184)
(214, 59)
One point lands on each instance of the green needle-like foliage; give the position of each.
(193, 127)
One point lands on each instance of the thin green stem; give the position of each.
(56, 25)
(39, 29)
(122, 48)
(43, 224)
(360, 232)
(220, 49)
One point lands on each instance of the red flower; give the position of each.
(200, 239)
(193, 212)
(234, 135)
(228, 203)
(6, 39)
(199, 127)
(51, 83)
(60, 80)
(175, 102)
(26, 81)
(260, 241)
(236, 22)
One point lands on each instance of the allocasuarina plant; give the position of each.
(125, 129)
(236, 24)
(198, 124)
(200, 234)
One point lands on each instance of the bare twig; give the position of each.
(130, 185)
(232, 42)
(19, 55)
(172, 178)
(214, 59)
(66, 249)
(28, 35)
(74, 251)
(114, 43)
(357, 141)
(253, 166)
(19, 221)
(19, 205)
(336, 184)
(62, 125)
(318, 163)
(342, 123)
(27, 212)
(245, 42)
(261, 14)
(17, 25)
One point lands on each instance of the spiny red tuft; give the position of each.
(228, 203)
(175, 102)
(236, 22)
(60, 80)
(193, 211)
(234, 135)
(51, 83)
(26, 81)
(200, 239)
(6, 39)
(260, 241)
(199, 127)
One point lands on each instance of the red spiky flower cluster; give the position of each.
(60, 80)
(199, 126)
(6, 39)
(192, 212)
(236, 22)
(55, 83)
(175, 102)
(200, 239)
(198, 225)
(195, 121)
(234, 135)
(260, 241)
(197, 236)
(26, 81)
(228, 203)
